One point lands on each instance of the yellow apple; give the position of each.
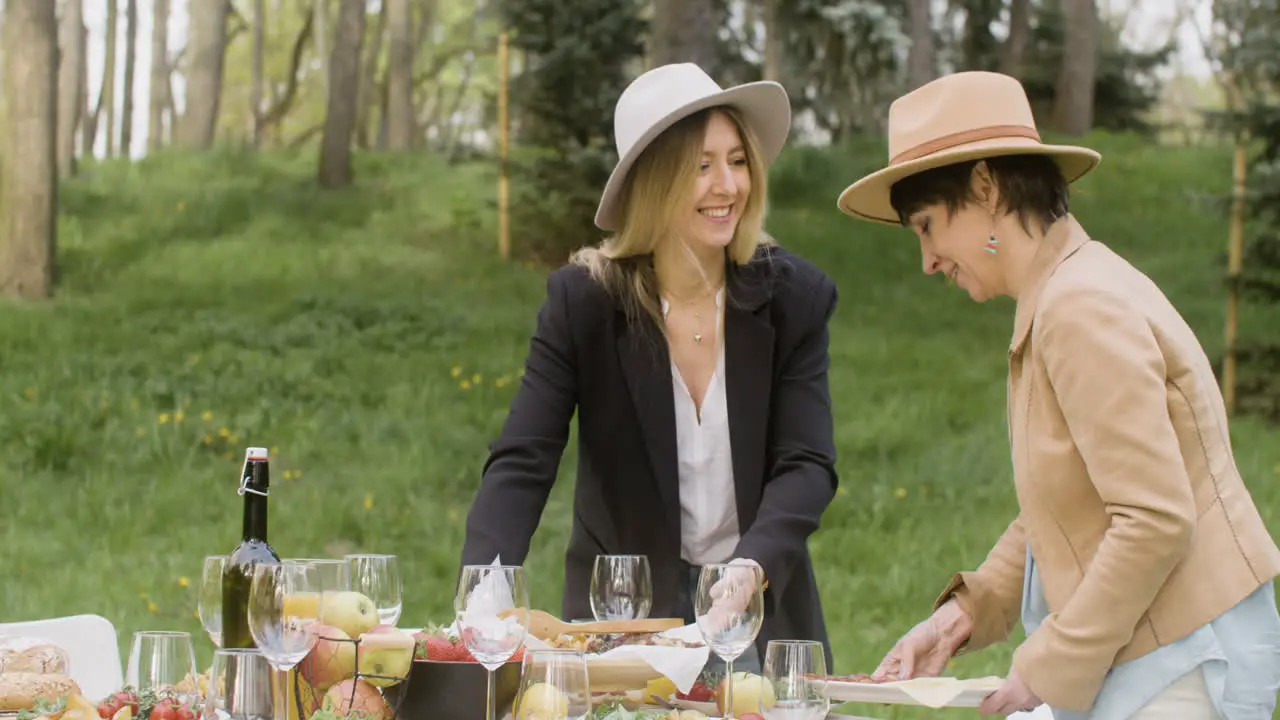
(387, 654)
(541, 701)
(332, 660)
(352, 612)
(751, 694)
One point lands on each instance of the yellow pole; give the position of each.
(504, 190)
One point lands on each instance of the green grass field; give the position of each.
(372, 340)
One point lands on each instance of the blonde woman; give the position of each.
(1138, 563)
(694, 352)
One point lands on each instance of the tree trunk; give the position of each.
(107, 98)
(400, 75)
(70, 64)
(323, 36)
(684, 31)
(1073, 96)
(922, 57)
(255, 78)
(772, 48)
(340, 111)
(369, 97)
(130, 62)
(207, 54)
(29, 178)
(1015, 47)
(159, 99)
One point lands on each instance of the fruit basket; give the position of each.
(359, 671)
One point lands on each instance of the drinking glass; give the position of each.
(729, 607)
(335, 575)
(621, 588)
(492, 607)
(211, 597)
(378, 577)
(796, 670)
(160, 660)
(284, 605)
(240, 686)
(553, 684)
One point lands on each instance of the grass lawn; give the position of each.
(372, 340)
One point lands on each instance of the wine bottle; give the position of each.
(253, 550)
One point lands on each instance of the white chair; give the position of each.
(90, 643)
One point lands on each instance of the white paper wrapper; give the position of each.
(491, 596)
(681, 665)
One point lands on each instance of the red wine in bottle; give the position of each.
(253, 550)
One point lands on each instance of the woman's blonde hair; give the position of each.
(657, 188)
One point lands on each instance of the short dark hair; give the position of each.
(1030, 186)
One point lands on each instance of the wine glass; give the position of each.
(378, 577)
(621, 588)
(729, 608)
(160, 660)
(240, 686)
(335, 575)
(284, 609)
(796, 671)
(211, 597)
(553, 684)
(492, 607)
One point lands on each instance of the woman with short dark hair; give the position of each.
(1140, 567)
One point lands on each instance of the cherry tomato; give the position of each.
(164, 711)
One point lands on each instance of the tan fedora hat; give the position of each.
(958, 117)
(663, 96)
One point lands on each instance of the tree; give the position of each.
(1074, 95)
(130, 63)
(29, 178)
(684, 31)
(160, 93)
(341, 108)
(400, 119)
(576, 57)
(71, 63)
(207, 55)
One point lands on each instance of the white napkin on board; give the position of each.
(937, 692)
(681, 665)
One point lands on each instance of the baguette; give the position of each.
(22, 690)
(44, 659)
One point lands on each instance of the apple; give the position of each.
(382, 629)
(355, 697)
(303, 694)
(388, 655)
(332, 660)
(352, 612)
(751, 716)
(751, 694)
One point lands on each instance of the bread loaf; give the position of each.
(46, 659)
(22, 690)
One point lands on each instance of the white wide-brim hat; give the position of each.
(958, 117)
(663, 96)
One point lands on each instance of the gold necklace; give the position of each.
(697, 314)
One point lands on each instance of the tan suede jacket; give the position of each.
(1140, 524)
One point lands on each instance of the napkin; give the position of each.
(936, 692)
(490, 597)
(681, 665)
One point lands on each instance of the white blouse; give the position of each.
(708, 505)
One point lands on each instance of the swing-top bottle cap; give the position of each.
(255, 453)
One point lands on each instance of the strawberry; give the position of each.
(438, 648)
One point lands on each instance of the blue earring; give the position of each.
(991, 244)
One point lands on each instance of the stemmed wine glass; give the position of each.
(211, 597)
(621, 588)
(729, 608)
(492, 607)
(796, 671)
(335, 575)
(378, 577)
(285, 603)
(553, 684)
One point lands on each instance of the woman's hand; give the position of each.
(1013, 696)
(926, 648)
